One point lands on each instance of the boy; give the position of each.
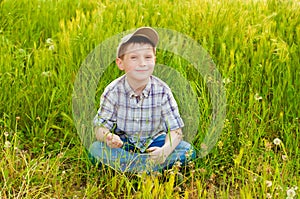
(138, 125)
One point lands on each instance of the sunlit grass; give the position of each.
(255, 45)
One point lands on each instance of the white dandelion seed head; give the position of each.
(49, 41)
(46, 73)
(269, 183)
(7, 144)
(226, 80)
(277, 141)
(291, 193)
(51, 47)
(284, 157)
(257, 97)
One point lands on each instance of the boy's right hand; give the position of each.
(113, 141)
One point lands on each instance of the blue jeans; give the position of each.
(128, 159)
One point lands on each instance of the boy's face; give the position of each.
(138, 61)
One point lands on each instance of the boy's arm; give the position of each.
(103, 134)
(172, 140)
(160, 154)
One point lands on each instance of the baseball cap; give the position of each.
(146, 32)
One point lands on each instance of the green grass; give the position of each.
(255, 45)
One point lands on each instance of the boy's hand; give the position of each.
(104, 135)
(157, 154)
(113, 141)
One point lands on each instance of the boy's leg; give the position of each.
(119, 159)
(183, 153)
(126, 161)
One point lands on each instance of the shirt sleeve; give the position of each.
(106, 115)
(170, 112)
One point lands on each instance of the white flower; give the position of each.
(277, 141)
(284, 157)
(46, 73)
(7, 144)
(49, 41)
(226, 81)
(51, 47)
(268, 195)
(6, 134)
(269, 183)
(291, 193)
(257, 97)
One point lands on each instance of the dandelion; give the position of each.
(277, 141)
(255, 178)
(46, 74)
(290, 193)
(226, 80)
(269, 183)
(284, 157)
(49, 41)
(7, 144)
(51, 47)
(257, 97)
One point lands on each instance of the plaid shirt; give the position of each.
(143, 117)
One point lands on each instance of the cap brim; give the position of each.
(146, 32)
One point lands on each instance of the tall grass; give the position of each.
(255, 45)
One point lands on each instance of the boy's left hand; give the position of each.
(157, 154)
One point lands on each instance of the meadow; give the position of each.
(255, 46)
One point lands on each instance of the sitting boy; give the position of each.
(138, 125)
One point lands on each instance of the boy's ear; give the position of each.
(119, 62)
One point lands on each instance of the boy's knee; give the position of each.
(187, 151)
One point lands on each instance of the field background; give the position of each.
(255, 45)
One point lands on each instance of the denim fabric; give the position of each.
(129, 159)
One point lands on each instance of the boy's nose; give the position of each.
(142, 62)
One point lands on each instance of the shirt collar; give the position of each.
(130, 92)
